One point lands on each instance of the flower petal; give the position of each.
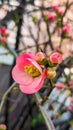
(21, 77)
(21, 57)
(27, 59)
(35, 86)
(22, 60)
(34, 63)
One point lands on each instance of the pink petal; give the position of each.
(21, 57)
(34, 63)
(22, 60)
(35, 86)
(21, 77)
(27, 59)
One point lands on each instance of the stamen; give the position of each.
(32, 70)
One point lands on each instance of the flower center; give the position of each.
(32, 70)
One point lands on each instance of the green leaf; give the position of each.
(33, 122)
(40, 118)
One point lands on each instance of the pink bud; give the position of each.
(40, 56)
(66, 29)
(60, 12)
(59, 86)
(55, 58)
(3, 39)
(3, 30)
(55, 8)
(51, 17)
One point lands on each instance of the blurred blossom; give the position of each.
(70, 82)
(51, 17)
(59, 86)
(66, 28)
(60, 12)
(3, 39)
(3, 30)
(2, 127)
(55, 8)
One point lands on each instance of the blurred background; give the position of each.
(34, 25)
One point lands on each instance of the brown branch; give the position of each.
(47, 119)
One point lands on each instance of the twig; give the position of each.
(47, 119)
(5, 95)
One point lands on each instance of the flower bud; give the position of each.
(51, 73)
(3, 30)
(3, 39)
(60, 12)
(59, 86)
(66, 29)
(2, 127)
(55, 8)
(55, 58)
(51, 17)
(40, 57)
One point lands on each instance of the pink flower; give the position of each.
(59, 86)
(55, 8)
(55, 58)
(51, 17)
(66, 29)
(3, 30)
(3, 39)
(28, 73)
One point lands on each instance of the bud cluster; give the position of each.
(3, 35)
(50, 63)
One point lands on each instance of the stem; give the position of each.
(5, 95)
(47, 119)
(13, 52)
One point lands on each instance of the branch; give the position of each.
(47, 119)
(5, 95)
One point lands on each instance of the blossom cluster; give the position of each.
(56, 15)
(3, 35)
(31, 70)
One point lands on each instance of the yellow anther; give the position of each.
(32, 70)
